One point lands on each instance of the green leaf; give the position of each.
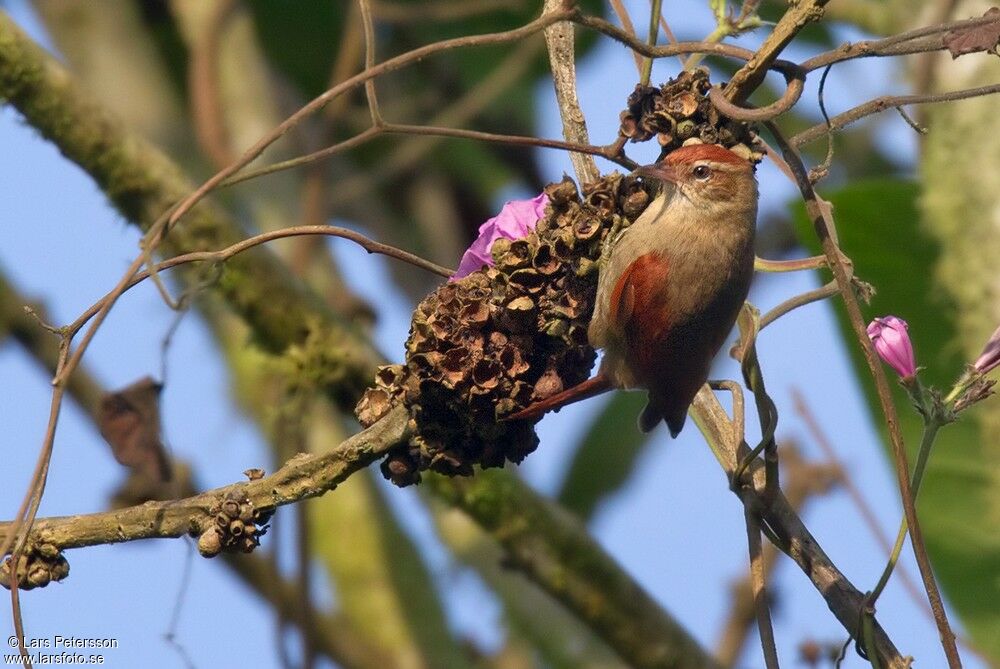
(878, 225)
(300, 40)
(604, 460)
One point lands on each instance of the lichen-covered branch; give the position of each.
(559, 38)
(142, 183)
(300, 478)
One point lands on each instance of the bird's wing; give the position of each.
(638, 306)
(641, 310)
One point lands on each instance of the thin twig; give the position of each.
(794, 77)
(799, 264)
(369, 28)
(626, 22)
(827, 290)
(222, 255)
(203, 81)
(409, 153)
(608, 152)
(920, 40)
(739, 412)
(880, 104)
(671, 37)
(759, 589)
(867, 514)
(654, 23)
(822, 222)
(663, 50)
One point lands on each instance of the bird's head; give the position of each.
(709, 176)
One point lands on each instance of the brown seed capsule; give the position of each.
(547, 385)
(59, 569)
(684, 104)
(37, 577)
(210, 543)
(519, 314)
(388, 376)
(231, 508)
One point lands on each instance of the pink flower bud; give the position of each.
(990, 357)
(515, 220)
(892, 343)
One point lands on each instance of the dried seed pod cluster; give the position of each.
(679, 112)
(36, 567)
(503, 337)
(236, 526)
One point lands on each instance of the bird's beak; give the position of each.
(659, 171)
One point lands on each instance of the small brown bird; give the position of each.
(672, 285)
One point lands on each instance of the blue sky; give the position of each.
(675, 527)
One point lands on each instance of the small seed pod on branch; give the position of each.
(679, 113)
(36, 567)
(236, 526)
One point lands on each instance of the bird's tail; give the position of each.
(657, 410)
(593, 386)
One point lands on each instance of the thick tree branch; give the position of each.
(750, 76)
(300, 478)
(559, 39)
(844, 600)
(142, 183)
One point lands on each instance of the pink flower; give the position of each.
(515, 220)
(892, 343)
(990, 357)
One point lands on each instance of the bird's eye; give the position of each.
(702, 172)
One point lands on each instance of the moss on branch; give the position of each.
(300, 478)
(142, 183)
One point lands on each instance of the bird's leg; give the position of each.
(595, 385)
